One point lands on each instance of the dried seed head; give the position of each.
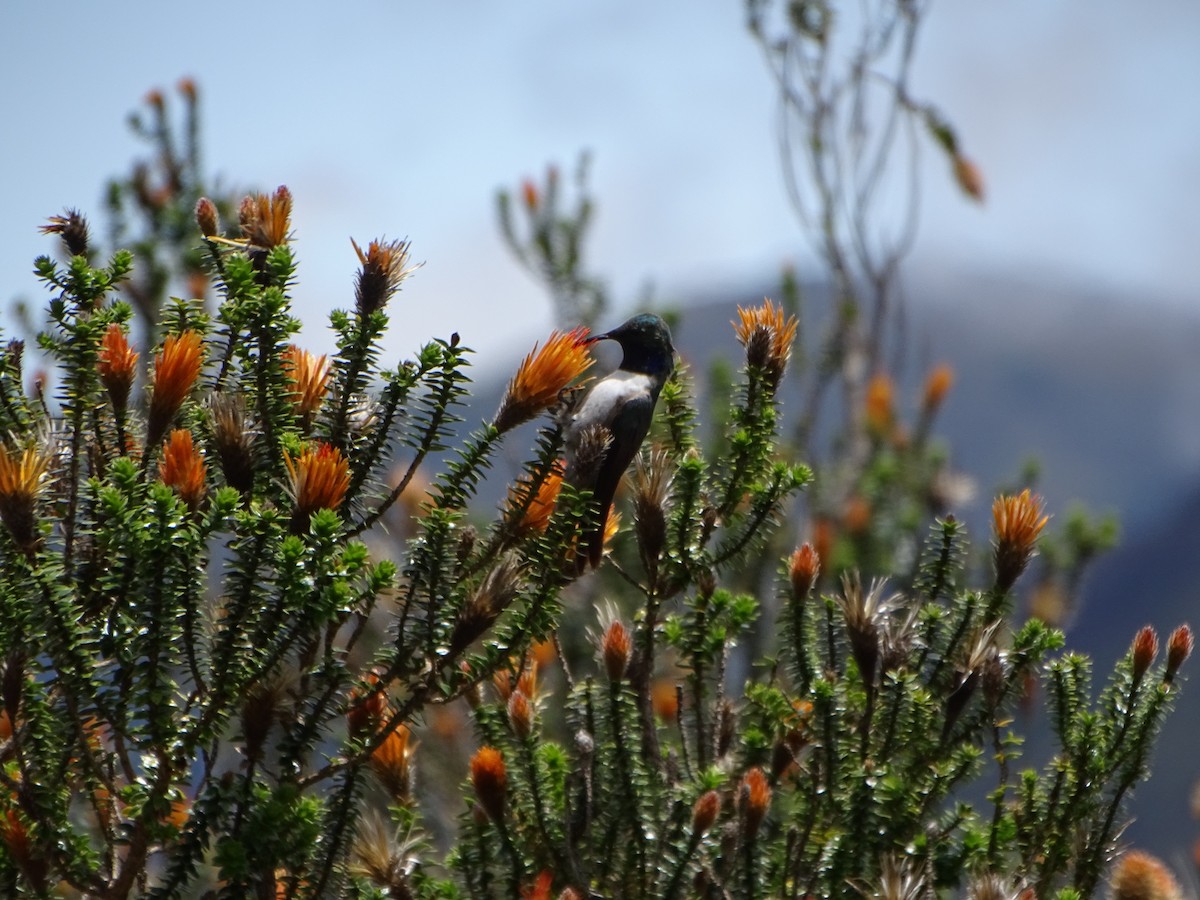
(803, 569)
(864, 612)
(176, 368)
(705, 812)
(1140, 876)
(520, 714)
(542, 376)
(383, 268)
(489, 777)
(768, 337)
(1179, 648)
(207, 217)
(266, 220)
(1017, 523)
(898, 880)
(497, 590)
(616, 647)
(1143, 651)
(588, 454)
(653, 474)
(260, 707)
(754, 798)
(182, 468)
(73, 228)
(379, 855)
(116, 364)
(991, 886)
(391, 762)
(232, 440)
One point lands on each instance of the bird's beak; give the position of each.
(596, 337)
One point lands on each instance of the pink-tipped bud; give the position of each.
(206, 217)
(1179, 648)
(1145, 648)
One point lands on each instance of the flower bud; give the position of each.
(754, 797)
(803, 569)
(616, 647)
(489, 777)
(1179, 648)
(1145, 648)
(207, 218)
(705, 812)
(520, 714)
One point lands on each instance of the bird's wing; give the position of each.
(628, 425)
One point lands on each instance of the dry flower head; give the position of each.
(768, 335)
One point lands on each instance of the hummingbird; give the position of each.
(622, 405)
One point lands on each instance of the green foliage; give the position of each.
(216, 664)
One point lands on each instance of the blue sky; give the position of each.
(402, 119)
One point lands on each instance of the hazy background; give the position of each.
(403, 119)
(1067, 302)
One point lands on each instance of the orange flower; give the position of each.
(368, 706)
(506, 681)
(664, 697)
(385, 265)
(529, 193)
(541, 887)
(878, 405)
(117, 365)
(309, 374)
(1017, 523)
(176, 368)
(182, 467)
(542, 376)
(937, 386)
(266, 220)
(754, 796)
(320, 479)
(541, 507)
(520, 714)
(767, 337)
(392, 763)
(16, 839)
(615, 648)
(803, 569)
(22, 479)
(489, 777)
(705, 812)
(1140, 876)
(969, 177)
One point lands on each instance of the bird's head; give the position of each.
(646, 343)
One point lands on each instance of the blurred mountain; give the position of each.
(1103, 390)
